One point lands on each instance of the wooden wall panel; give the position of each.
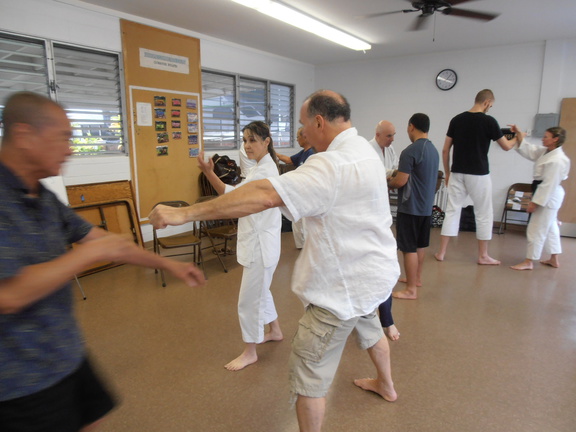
(159, 176)
(568, 121)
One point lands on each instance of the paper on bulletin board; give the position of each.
(143, 114)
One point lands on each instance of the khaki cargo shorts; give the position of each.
(318, 344)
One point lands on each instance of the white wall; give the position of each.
(96, 27)
(527, 79)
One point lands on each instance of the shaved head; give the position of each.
(385, 132)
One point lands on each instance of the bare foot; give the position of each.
(488, 261)
(405, 295)
(404, 280)
(392, 332)
(243, 360)
(551, 263)
(439, 256)
(522, 266)
(373, 385)
(273, 336)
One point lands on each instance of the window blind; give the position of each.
(88, 86)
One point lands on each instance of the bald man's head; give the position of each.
(385, 132)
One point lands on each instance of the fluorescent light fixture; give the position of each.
(305, 22)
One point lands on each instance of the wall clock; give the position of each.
(446, 79)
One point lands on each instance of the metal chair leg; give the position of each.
(80, 286)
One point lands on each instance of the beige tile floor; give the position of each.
(482, 349)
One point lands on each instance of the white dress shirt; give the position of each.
(349, 263)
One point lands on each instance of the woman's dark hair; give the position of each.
(558, 132)
(262, 130)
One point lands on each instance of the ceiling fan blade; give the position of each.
(379, 14)
(374, 15)
(419, 23)
(464, 13)
(457, 2)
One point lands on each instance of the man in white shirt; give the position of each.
(382, 143)
(348, 265)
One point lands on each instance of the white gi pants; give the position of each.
(479, 188)
(543, 233)
(255, 303)
(299, 233)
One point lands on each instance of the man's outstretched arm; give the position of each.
(251, 198)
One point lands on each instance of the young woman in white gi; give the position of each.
(258, 247)
(550, 169)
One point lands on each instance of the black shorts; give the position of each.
(75, 402)
(412, 232)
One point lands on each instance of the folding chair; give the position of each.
(517, 199)
(187, 239)
(224, 230)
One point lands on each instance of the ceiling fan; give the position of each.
(428, 7)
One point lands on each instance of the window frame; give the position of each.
(239, 121)
(49, 47)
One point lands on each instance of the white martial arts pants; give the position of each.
(299, 233)
(255, 303)
(479, 188)
(543, 233)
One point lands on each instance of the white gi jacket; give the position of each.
(264, 227)
(551, 168)
(388, 156)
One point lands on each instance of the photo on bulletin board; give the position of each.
(175, 113)
(159, 101)
(192, 117)
(162, 150)
(176, 124)
(191, 104)
(193, 152)
(162, 137)
(192, 139)
(177, 135)
(176, 102)
(160, 125)
(159, 113)
(192, 127)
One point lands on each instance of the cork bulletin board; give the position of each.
(163, 90)
(568, 121)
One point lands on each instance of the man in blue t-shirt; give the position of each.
(470, 134)
(46, 381)
(298, 229)
(416, 184)
(300, 157)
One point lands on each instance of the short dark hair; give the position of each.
(558, 132)
(328, 105)
(28, 108)
(420, 121)
(484, 95)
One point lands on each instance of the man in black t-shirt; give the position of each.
(470, 134)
